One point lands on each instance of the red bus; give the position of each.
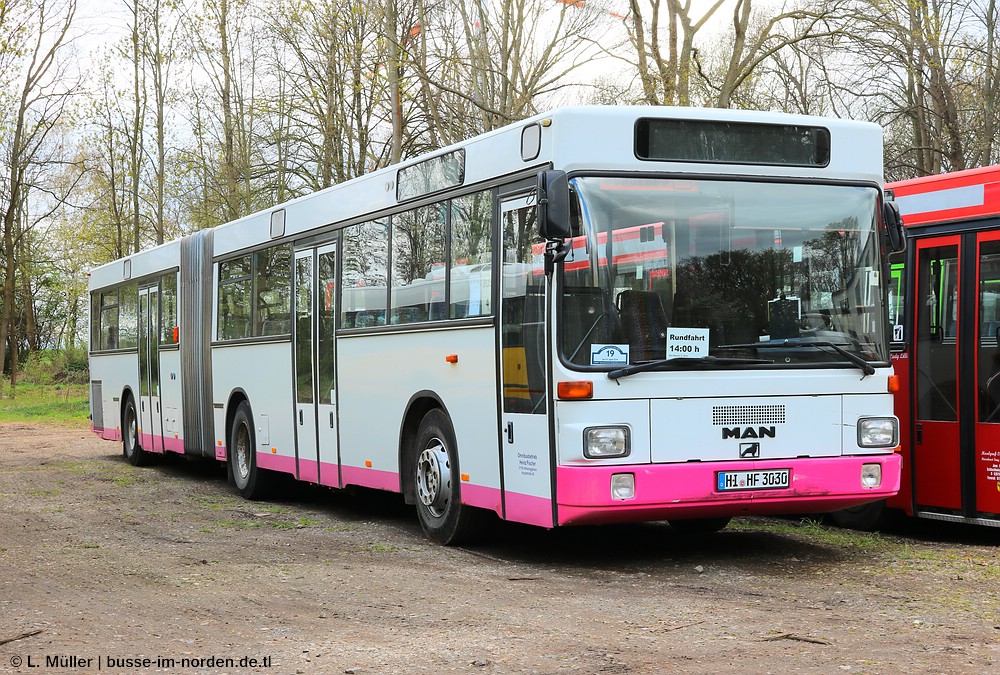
(945, 315)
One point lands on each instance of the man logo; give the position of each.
(749, 450)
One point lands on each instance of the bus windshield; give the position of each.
(721, 272)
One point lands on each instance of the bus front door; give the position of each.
(306, 441)
(315, 366)
(150, 420)
(524, 429)
(326, 365)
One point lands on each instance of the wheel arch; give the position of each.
(236, 397)
(127, 394)
(417, 407)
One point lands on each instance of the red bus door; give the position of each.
(956, 377)
(936, 429)
(983, 462)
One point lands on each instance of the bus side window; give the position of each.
(273, 291)
(234, 299)
(128, 317)
(363, 274)
(470, 275)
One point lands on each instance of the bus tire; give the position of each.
(131, 447)
(699, 526)
(252, 482)
(437, 484)
(866, 517)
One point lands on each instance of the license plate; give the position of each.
(772, 479)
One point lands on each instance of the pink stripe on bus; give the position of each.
(274, 462)
(528, 509)
(308, 470)
(482, 496)
(373, 478)
(664, 491)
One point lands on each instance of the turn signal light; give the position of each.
(893, 386)
(576, 389)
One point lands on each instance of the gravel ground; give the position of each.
(109, 568)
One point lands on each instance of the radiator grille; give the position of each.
(726, 415)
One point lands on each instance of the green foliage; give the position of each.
(59, 403)
(56, 366)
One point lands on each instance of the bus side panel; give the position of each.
(116, 373)
(264, 373)
(383, 372)
(170, 400)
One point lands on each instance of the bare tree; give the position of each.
(41, 83)
(484, 63)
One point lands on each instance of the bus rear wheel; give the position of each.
(437, 484)
(131, 447)
(252, 482)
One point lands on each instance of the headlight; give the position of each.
(871, 475)
(603, 442)
(878, 432)
(623, 486)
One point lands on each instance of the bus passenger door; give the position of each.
(326, 364)
(982, 459)
(936, 429)
(524, 430)
(306, 448)
(150, 419)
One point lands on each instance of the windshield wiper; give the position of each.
(680, 361)
(794, 343)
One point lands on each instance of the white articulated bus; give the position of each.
(599, 314)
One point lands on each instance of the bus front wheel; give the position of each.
(699, 526)
(437, 484)
(867, 517)
(252, 482)
(131, 447)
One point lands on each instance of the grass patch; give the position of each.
(815, 530)
(66, 404)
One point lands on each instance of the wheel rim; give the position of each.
(242, 453)
(434, 478)
(131, 433)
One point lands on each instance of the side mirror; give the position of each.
(893, 224)
(553, 205)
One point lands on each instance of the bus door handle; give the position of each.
(510, 432)
(300, 417)
(331, 419)
(918, 432)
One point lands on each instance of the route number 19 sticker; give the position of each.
(687, 342)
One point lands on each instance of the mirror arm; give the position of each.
(555, 251)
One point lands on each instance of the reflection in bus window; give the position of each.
(471, 255)
(326, 284)
(128, 319)
(523, 314)
(937, 278)
(897, 293)
(366, 261)
(748, 261)
(168, 308)
(418, 265)
(989, 327)
(273, 283)
(234, 299)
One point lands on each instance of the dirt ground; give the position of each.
(103, 565)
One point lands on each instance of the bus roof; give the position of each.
(960, 195)
(580, 138)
